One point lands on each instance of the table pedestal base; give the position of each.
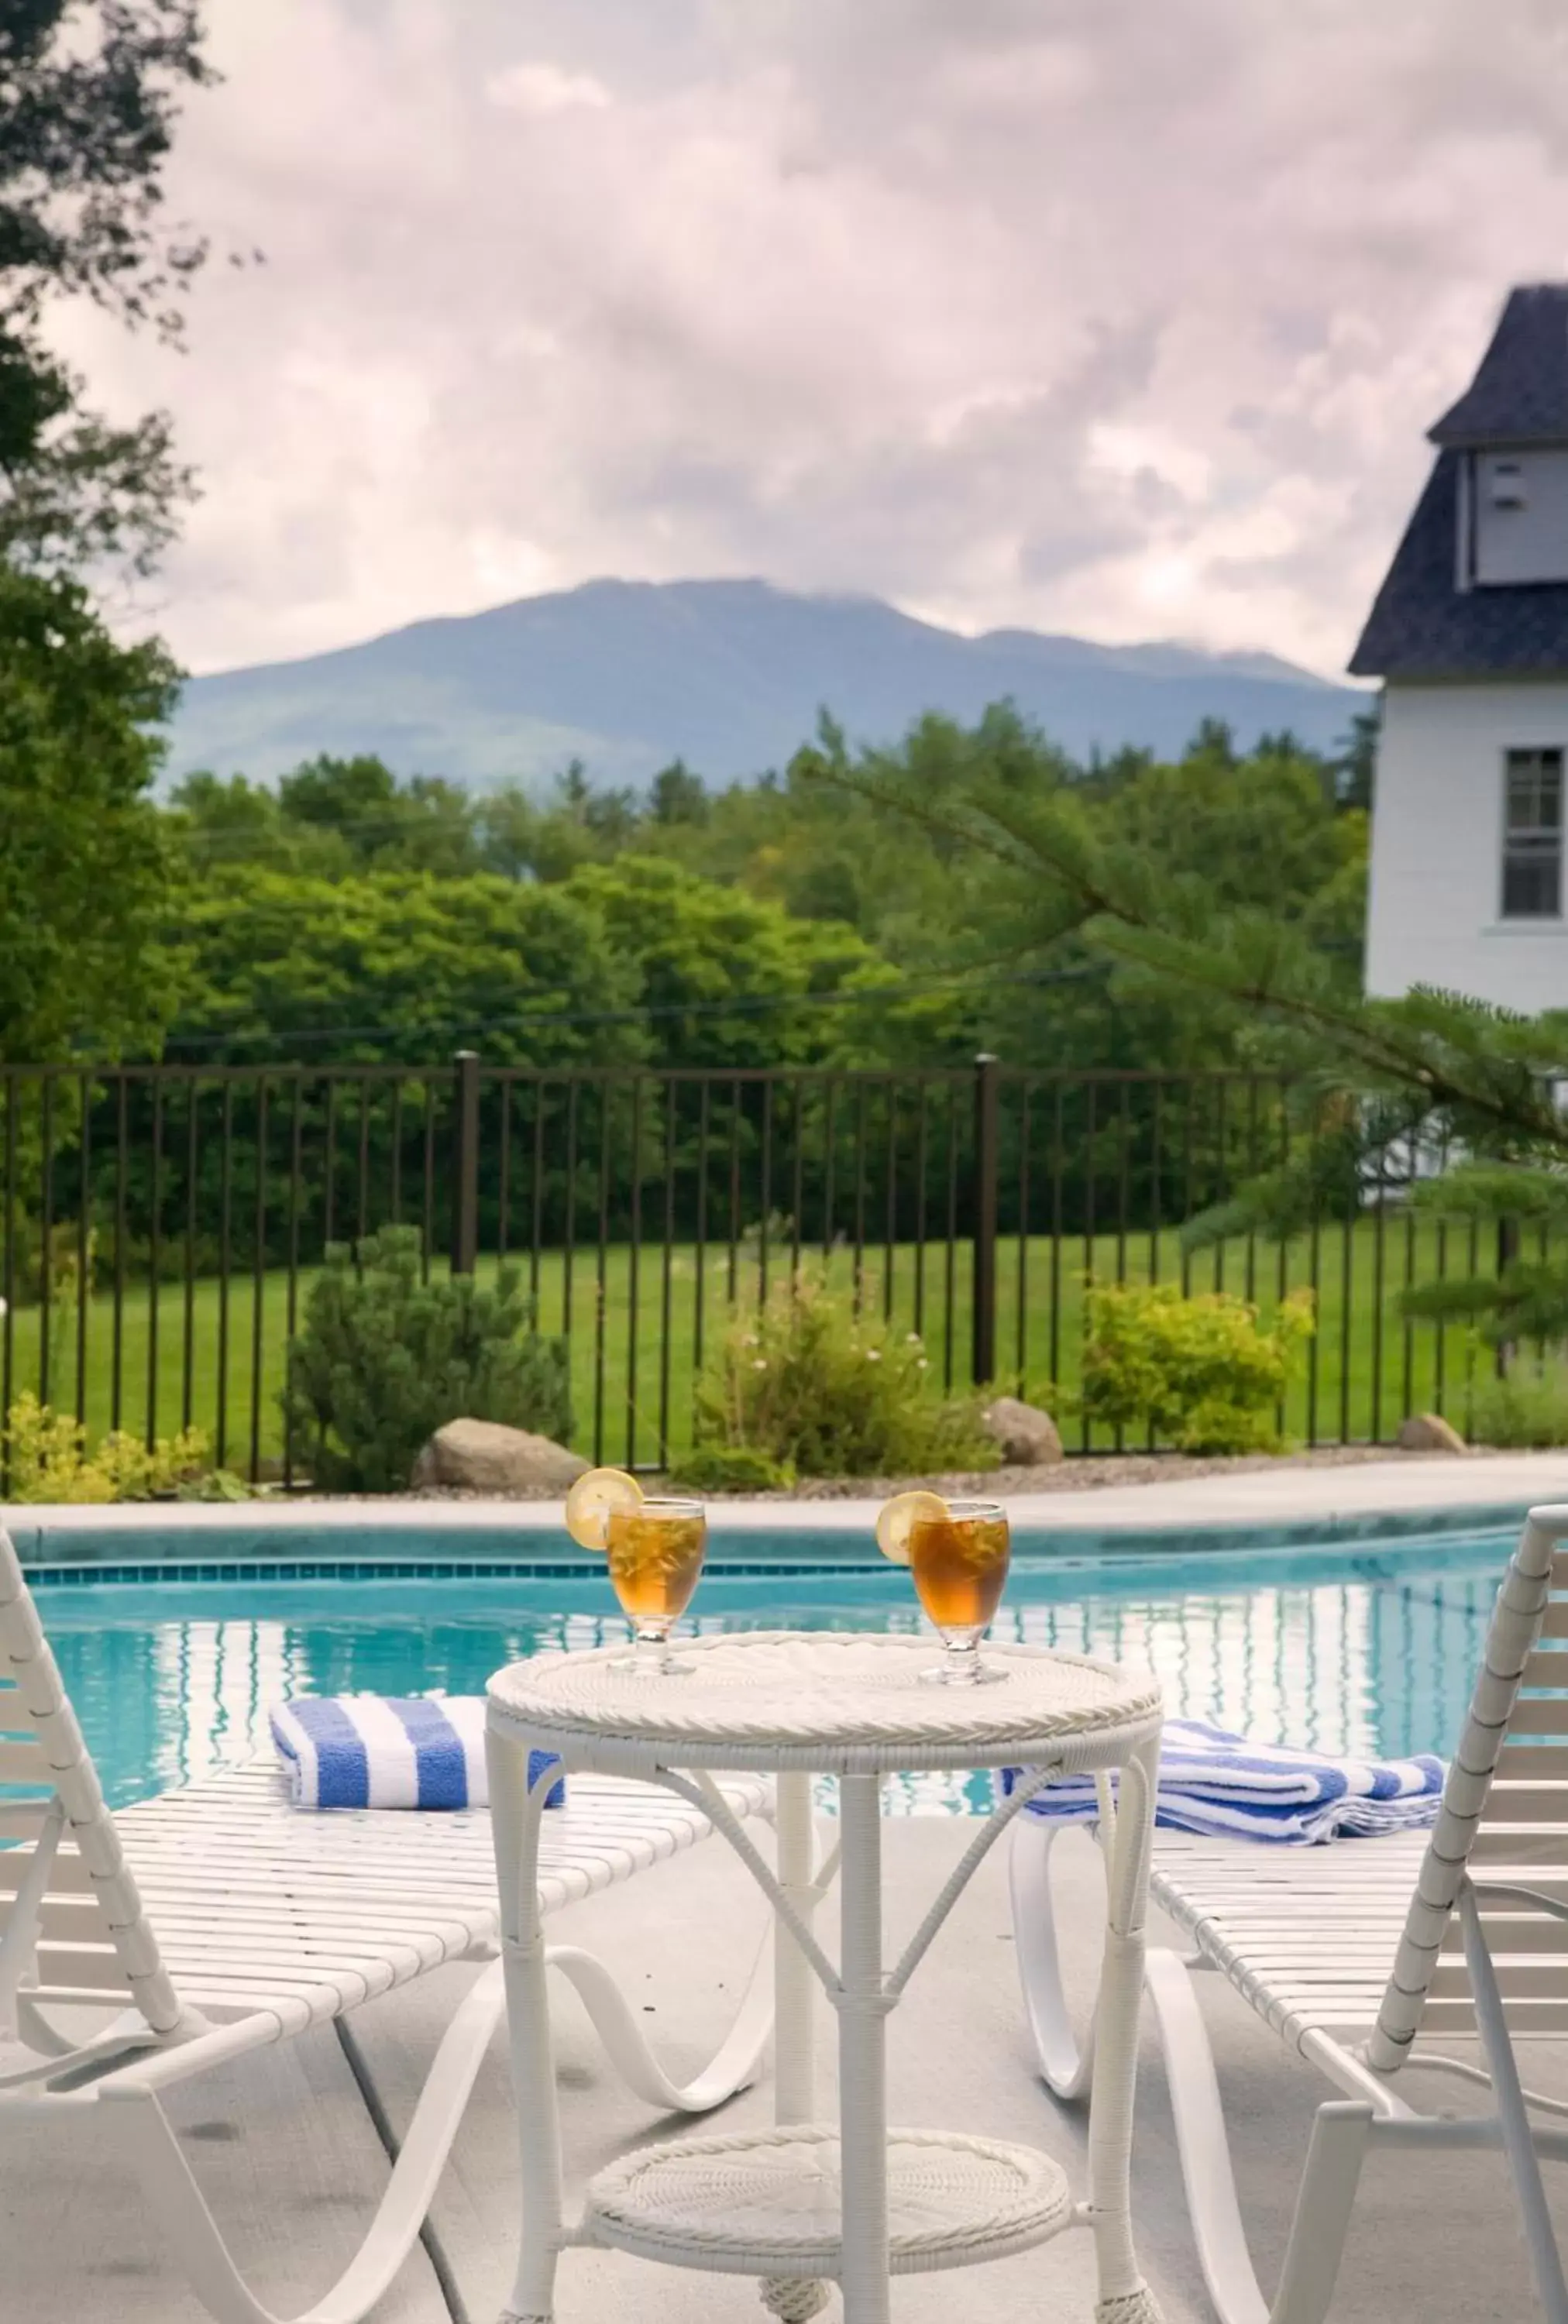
(768, 2202)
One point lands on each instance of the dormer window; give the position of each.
(1517, 526)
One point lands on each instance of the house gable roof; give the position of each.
(1422, 624)
(1519, 395)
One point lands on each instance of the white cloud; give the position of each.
(1129, 326)
(545, 89)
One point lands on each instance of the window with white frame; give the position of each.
(1532, 835)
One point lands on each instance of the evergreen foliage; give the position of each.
(1434, 1098)
(383, 1360)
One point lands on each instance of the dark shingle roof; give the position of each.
(1520, 393)
(1422, 626)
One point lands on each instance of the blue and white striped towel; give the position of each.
(1221, 1785)
(391, 1751)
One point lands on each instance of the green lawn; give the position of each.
(633, 1392)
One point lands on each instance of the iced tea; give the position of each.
(655, 1555)
(959, 1564)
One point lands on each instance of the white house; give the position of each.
(1470, 635)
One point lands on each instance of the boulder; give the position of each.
(482, 1456)
(1028, 1438)
(1428, 1432)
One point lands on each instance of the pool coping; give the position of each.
(1247, 1511)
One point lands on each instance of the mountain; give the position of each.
(727, 675)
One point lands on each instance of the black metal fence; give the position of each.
(160, 1228)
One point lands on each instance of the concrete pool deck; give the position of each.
(1251, 1508)
(290, 2160)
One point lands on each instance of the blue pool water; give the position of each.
(1342, 1649)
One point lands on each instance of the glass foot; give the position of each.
(642, 1663)
(978, 1673)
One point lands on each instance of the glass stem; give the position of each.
(652, 1643)
(961, 1661)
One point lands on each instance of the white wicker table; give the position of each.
(807, 2201)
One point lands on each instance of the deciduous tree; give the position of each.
(82, 858)
(90, 91)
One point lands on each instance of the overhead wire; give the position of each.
(740, 1004)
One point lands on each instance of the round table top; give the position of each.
(834, 1702)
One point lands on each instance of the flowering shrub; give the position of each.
(1199, 1372)
(48, 1458)
(813, 1388)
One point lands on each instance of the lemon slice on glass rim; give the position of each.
(898, 1518)
(590, 1501)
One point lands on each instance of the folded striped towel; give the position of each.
(391, 1751)
(1221, 1784)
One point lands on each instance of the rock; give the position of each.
(1428, 1432)
(482, 1456)
(1027, 1436)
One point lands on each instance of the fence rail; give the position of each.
(160, 1227)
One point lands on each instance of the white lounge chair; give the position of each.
(1358, 1953)
(214, 1920)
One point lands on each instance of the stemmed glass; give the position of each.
(653, 1546)
(957, 1553)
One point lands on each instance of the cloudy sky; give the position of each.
(1122, 316)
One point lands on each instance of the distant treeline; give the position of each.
(347, 915)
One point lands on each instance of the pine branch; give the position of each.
(1490, 1191)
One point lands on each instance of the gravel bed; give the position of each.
(1080, 1474)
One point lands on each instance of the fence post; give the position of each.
(982, 1366)
(1507, 1251)
(465, 1161)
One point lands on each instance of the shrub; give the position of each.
(1200, 1371)
(731, 1469)
(48, 1458)
(51, 1266)
(809, 1386)
(383, 1360)
(1525, 1412)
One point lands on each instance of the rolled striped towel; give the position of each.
(1224, 1785)
(391, 1751)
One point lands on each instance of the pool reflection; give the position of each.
(1377, 1657)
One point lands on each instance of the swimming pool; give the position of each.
(1345, 1650)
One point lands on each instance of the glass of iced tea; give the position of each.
(653, 1546)
(957, 1553)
